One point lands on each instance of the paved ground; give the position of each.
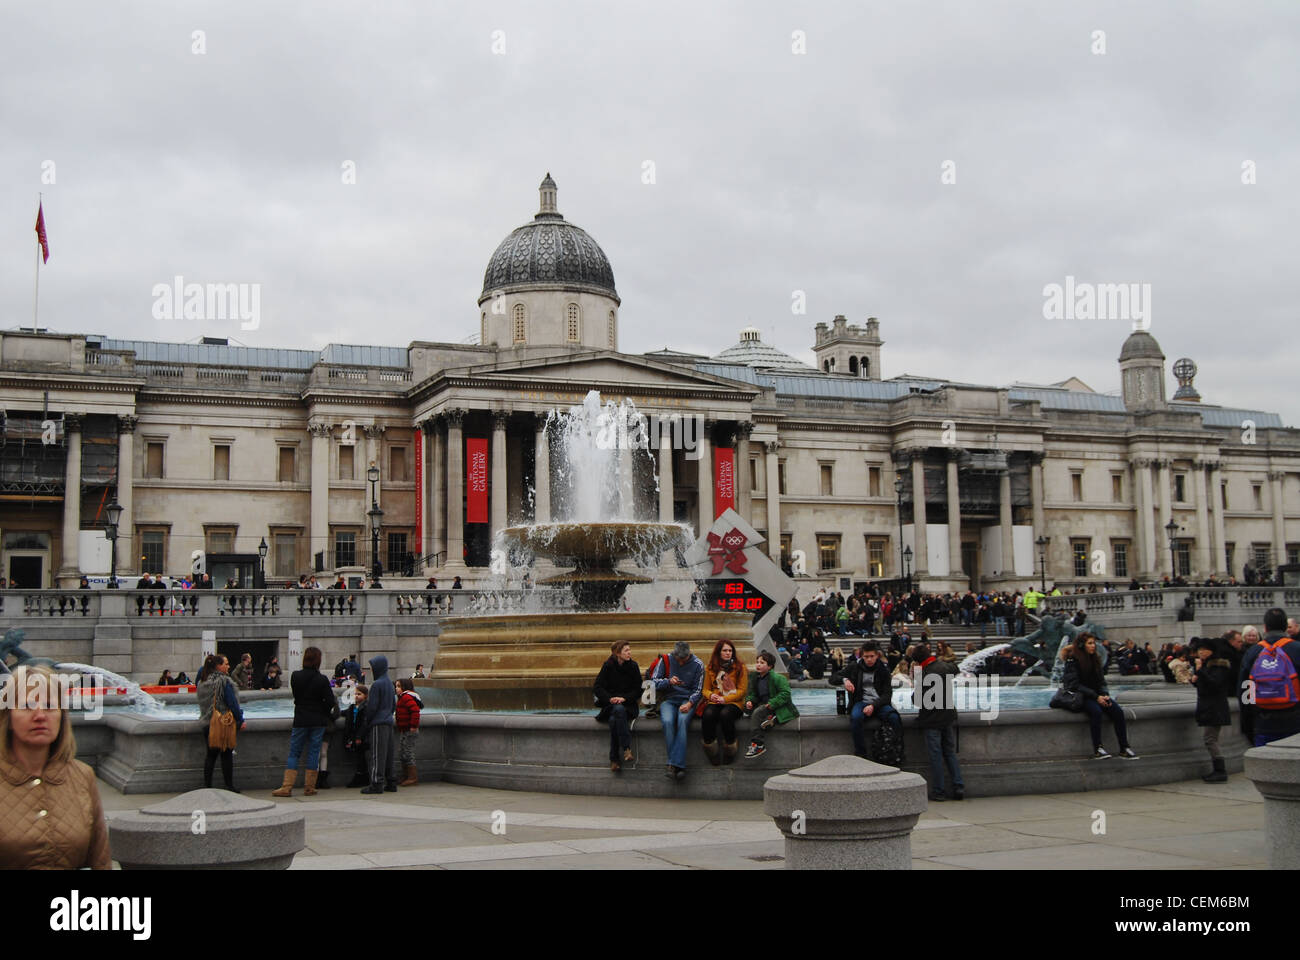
(1177, 826)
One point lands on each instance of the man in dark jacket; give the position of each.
(870, 690)
(1271, 723)
(380, 707)
(937, 716)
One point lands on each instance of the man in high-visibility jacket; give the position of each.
(1032, 597)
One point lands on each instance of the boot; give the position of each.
(412, 776)
(1219, 775)
(323, 782)
(286, 789)
(310, 777)
(729, 751)
(711, 751)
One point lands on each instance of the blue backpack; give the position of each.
(1274, 677)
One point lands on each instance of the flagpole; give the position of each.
(36, 303)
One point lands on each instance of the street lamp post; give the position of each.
(113, 514)
(907, 567)
(1042, 543)
(262, 550)
(376, 518)
(1171, 530)
(898, 491)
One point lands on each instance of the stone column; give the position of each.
(455, 490)
(429, 433)
(1279, 521)
(541, 472)
(321, 433)
(773, 501)
(846, 813)
(665, 476)
(1146, 522)
(1275, 770)
(706, 480)
(70, 569)
(497, 505)
(744, 503)
(1216, 517)
(1036, 494)
(126, 493)
(954, 515)
(1166, 514)
(921, 549)
(437, 486)
(1004, 524)
(1204, 562)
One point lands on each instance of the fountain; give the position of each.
(548, 661)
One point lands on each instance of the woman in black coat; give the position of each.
(1214, 683)
(1083, 674)
(618, 689)
(313, 711)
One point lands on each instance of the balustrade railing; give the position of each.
(50, 603)
(1248, 601)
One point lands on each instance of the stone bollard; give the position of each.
(846, 813)
(1275, 771)
(208, 830)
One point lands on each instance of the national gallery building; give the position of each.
(229, 449)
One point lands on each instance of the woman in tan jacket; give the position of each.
(723, 696)
(51, 817)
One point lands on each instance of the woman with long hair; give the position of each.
(1083, 674)
(51, 817)
(725, 683)
(618, 691)
(216, 691)
(313, 710)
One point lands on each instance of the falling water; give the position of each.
(597, 447)
(142, 700)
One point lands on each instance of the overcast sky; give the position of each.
(774, 171)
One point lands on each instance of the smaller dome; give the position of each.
(1140, 345)
(752, 351)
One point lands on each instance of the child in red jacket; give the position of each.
(409, 705)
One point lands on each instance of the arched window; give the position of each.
(853, 365)
(574, 324)
(826, 366)
(613, 331)
(865, 368)
(521, 324)
(482, 328)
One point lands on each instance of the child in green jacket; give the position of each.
(769, 702)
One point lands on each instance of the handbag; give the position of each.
(1065, 700)
(221, 728)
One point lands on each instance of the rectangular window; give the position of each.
(396, 552)
(780, 477)
(1117, 488)
(1183, 558)
(828, 551)
(753, 475)
(153, 461)
(877, 549)
(287, 464)
(1228, 550)
(873, 481)
(787, 547)
(828, 485)
(153, 551)
(1223, 494)
(1076, 486)
(286, 555)
(1293, 553)
(221, 541)
(221, 462)
(1257, 489)
(397, 463)
(345, 549)
(1119, 550)
(1263, 553)
(347, 457)
(1180, 488)
(1079, 550)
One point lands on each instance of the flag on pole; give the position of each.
(40, 233)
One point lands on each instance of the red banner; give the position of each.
(724, 482)
(419, 492)
(476, 479)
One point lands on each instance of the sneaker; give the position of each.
(755, 750)
(679, 773)
(959, 793)
(1100, 754)
(769, 723)
(937, 797)
(1128, 754)
(672, 772)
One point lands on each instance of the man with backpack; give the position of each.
(870, 689)
(937, 717)
(1268, 679)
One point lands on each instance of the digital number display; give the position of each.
(736, 596)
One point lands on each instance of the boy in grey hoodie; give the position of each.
(380, 708)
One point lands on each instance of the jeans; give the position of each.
(942, 746)
(1000, 626)
(675, 724)
(857, 719)
(620, 733)
(308, 738)
(1116, 714)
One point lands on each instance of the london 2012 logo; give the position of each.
(727, 551)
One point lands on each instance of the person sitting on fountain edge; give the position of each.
(870, 687)
(679, 683)
(618, 690)
(769, 701)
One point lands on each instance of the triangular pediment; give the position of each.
(600, 369)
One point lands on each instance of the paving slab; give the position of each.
(1075, 856)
